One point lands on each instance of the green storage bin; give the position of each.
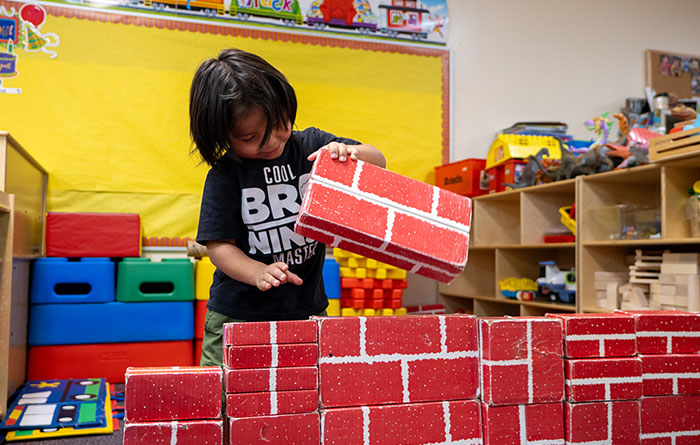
(140, 279)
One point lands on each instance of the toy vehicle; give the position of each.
(210, 8)
(288, 11)
(520, 288)
(404, 16)
(556, 284)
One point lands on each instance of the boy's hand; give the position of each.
(274, 275)
(338, 151)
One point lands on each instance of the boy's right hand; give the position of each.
(274, 275)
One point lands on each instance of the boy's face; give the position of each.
(248, 133)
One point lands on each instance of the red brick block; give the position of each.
(671, 374)
(93, 234)
(521, 360)
(270, 379)
(454, 422)
(190, 432)
(270, 332)
(381, 360)
(671, 420)
(271, 356)
(426, 309)
(667, 332)
(540, 423)
(598, 335)
(603, 379)
(394, 219)
(172, 393)
(296, 429)
(251, 404)
(602, 423)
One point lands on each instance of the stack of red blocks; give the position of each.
(668, 343)
(603, 379)
(177, 405)
(271, 382)
(399, 380)
(371, 293)
(522, 380)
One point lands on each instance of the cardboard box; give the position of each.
(667, 332)
(172, 393)
(93, 234)
(598, 335)
(380, 360)
(296, 429)
(250, 404)
(271, 356)
(270, 379)
(541, 423)
(671, 420)
(521, 360)
(270, 332)
(454, 422)
(188, 432)
(671, 374)
(385, 216)
(603, 379)
(602, 422)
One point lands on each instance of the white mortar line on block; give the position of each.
(435, 202)
(600, 339)
(365, 425)
(404, 382)
(443, 334)
(363, 337)
(390, 217)
(448, 426)
(386, 358)
(355, 185)
(530, 383)
(173, 432)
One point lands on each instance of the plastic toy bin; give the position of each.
(462, 177)
(622, 221)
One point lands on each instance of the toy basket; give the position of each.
(675, 144)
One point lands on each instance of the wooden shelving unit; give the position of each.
(508, 229)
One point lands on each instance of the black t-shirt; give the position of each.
(256, 203)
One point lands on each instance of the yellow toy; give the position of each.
(519, 146)
(520, 288)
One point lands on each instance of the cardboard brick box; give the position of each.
(382, 360)
(603, 379)
(671, 420)
(671, 374)
(521, 360)
(598, 335)
(454, 422)
(667, 332)
(183, 432)
(540, 423)
(270, 379)
(296, 429)
(270, 332)
(387, 217)
(250, 404)
(172, 393)
(271, 356)
(602, 422)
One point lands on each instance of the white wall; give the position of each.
(563, 60)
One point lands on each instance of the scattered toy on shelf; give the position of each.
(505, 160)
(568, 217)
(528, 177)
(600, 126)
(692, 210)
(556, 284)
(518, 288)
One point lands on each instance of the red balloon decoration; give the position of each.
(33, 14)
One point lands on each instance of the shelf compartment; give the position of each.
(478, 278)
(635, 188)
(675, 182)
(539, 211)
(496, 219)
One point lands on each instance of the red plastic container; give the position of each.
(462, 177)
(508, 172)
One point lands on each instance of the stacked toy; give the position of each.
(522, 380)
(399, 380)
(98, 308)
(177, 405)
(203, 279)
(271, 382)
(369, 287)
(603, 378)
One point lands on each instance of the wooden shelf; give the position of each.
(508, 229)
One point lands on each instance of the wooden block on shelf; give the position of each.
(680, 268)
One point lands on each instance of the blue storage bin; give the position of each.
(57, 280)
(114, 322)
(331, 278)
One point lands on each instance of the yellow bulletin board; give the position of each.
(108, 117)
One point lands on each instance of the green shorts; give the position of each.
(213, 343)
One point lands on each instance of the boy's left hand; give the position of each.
(338, 151)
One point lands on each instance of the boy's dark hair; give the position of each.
(226, 89)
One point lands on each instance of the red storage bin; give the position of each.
(462, 177)
(508, 172)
